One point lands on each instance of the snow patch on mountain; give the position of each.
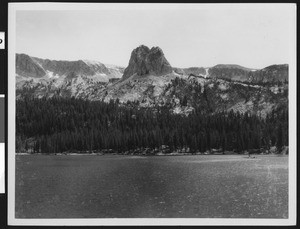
(113, 66)
(206, 73)
(51, 74)
(92, 62)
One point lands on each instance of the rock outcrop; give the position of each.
(145, 61)
(27, 67)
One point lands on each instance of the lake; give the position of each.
(200, 186)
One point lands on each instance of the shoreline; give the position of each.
(166, 152)
(156, 155)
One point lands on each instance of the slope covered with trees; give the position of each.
(56, 125)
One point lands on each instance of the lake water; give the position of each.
(223, 186)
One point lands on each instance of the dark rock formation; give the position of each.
(147, 61)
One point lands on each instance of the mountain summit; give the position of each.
(145, 61)
(26, 66)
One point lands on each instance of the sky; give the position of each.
(189, 37)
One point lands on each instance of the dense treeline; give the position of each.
(58, 125)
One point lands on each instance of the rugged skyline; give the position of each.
(190, 35)
(150, 80)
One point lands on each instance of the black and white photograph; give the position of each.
(152, 114)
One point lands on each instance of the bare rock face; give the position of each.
(147, 61)
(27, 67)
(78, 67)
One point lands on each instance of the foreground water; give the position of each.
(160, 186)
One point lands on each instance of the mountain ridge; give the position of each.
(196, 70)
(42, 67)
(150, 80)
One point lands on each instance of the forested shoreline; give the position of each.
(59, 125)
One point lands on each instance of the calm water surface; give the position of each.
(160, 186)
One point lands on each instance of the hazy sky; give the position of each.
(253, 38)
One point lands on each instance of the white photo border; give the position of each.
(291, 39)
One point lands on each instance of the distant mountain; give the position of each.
(274, 73)
(150, 80)
(27, 66)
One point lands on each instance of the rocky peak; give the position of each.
(141, 50)
(27, 67)
(156, 50)
(147, 61)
